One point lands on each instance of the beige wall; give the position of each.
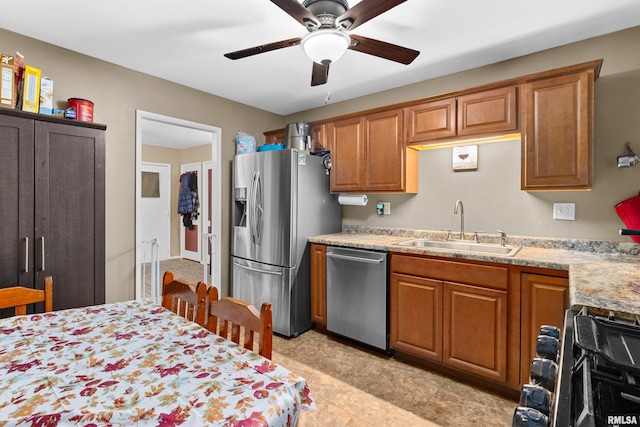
(491, 195)
(117, 93)
(175, 158)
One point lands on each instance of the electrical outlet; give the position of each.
(383, 208)
(564, 211)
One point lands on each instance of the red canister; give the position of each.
(84, 109)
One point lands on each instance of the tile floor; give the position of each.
(356, 388)
(353, 388)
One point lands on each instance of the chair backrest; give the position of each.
(240, 321)
(184, 298)
(19, 297)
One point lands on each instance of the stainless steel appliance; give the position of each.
(591, 374)
(357, 295)
(300, 135)
(280, 199)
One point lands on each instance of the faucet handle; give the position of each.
(475, 235)
(448, 230)
(503, 237)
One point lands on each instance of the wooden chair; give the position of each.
(184, 298)
(19, 297)
(243, 321)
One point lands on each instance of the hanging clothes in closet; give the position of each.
(188, 202)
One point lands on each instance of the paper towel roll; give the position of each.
(353, 199)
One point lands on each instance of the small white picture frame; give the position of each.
(465, 157)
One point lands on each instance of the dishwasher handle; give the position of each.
(355, 258)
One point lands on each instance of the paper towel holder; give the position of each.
(353, 199)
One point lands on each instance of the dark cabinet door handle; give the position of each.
(26, 254)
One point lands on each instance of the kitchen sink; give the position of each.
(464, 246)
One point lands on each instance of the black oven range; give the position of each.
(588, 377)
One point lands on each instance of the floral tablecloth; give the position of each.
(136, 364)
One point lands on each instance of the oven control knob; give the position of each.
(529, 417)
(547, 347)
(549, 330)
(543, 372)
(536, 397)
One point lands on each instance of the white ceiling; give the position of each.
(184, 41)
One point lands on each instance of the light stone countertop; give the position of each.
(603, 275)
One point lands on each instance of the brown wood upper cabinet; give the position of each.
(369, 155)
(557, 134)
(485, 113)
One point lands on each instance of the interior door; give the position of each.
(191, 237)
(155, 208)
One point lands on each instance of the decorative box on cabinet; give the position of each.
(557, 134)
(484, 113)
(369, 155)
(52, 206)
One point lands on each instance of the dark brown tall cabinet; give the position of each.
(52, 183)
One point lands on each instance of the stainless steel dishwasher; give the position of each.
(357, 295)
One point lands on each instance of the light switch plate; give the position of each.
(564, 211)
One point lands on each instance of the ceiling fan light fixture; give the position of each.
(325, 45)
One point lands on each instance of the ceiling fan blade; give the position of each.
(382, 49)
(262, 48)
(319, 74)
(364, 11)
(298, 12)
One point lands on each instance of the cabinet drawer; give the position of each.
(464, 272)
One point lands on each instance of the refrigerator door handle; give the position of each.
(259, 210)
(255, 208)
(258, 270)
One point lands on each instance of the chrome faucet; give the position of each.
(455, 211)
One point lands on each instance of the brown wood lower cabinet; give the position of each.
(475, 330)
(416, 313)
(450, 312)
(318, 285)
(544, 301)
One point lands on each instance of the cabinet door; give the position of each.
(384, 152)
(416, 316)
(319, 284)
(16, 202)
(346, 142)
(69, 226)
(488, 112)
(275, 137)
(431, 120)
(475, 330)
(320, 138)
(544, 302)
(557, 138)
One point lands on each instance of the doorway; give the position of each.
(155, 133)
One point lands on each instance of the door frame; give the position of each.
(145, 117)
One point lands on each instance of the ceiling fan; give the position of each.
(328, 22)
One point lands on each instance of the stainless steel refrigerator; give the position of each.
(280, 199)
